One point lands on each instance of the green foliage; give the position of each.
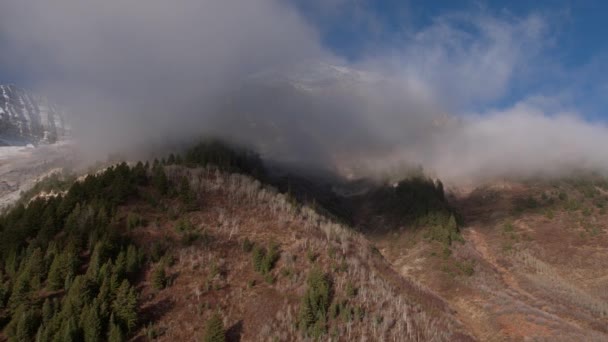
(467, 268)
(115, 333)
(315, 304)
(91, 323)
(225, 157)
(526, 203)
(412, 199)
(187, 196)
(258, 258)
(24, 325)
(159, 277)
(124, 306)
(133, 221)
(444, 229)
(183, 225)
(214, 329)
(66, 261)
(160, 180)
(265, 260)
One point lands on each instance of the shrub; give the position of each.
(265, 260)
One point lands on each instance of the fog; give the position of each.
(139, 74)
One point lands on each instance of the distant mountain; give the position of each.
(26, 118)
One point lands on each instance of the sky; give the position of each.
(574, 55)
(466, 89)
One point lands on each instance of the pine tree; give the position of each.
(115, 333)
(70, 331)
(214, 331)
(125, 306)
(132, 259)
(160, 181)
(21, 291)
(186, 194)
(315, 304)
(3, 291)
(91, 323)
(120, 265)
(258, 258)
(159, 277)
(24, 325)
(47, 310)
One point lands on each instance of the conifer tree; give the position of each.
(91, 323)
(160, 181)
(47, 310)
(115, 333)
(214, 331)
(159, 277)
(124, 306)
(132, 259)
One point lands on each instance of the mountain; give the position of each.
(155, 250)
(26, 118)
(262, 252)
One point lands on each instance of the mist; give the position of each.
(136, 75)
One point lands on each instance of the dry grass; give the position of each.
(220, 275)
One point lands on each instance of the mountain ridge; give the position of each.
(27, 118)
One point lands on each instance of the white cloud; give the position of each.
(142, 72)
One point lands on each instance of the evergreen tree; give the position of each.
(124, 306)
(120, 265)
(21, 291)
(47, 310)
(59, 270)
(159, 277)
(132, 259)
(3, 291)
(70, 331)
(91, 323)
(24, 325)
(214, 331)
(258, 258)
(315, 304)
(160, 181)
(115, 333)
(186, 194)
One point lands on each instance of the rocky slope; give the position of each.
(26, 118)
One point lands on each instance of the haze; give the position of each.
(137, 74)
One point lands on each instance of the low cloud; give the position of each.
(145, 73)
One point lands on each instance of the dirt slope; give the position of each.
(532, 265)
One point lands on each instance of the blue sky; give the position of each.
(571, 64)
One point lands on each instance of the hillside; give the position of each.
(195, 247)
(531, 265)
(214, 240)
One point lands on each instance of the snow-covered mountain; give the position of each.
(310, 76)
(26, 118)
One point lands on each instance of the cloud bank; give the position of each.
(138, 73)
